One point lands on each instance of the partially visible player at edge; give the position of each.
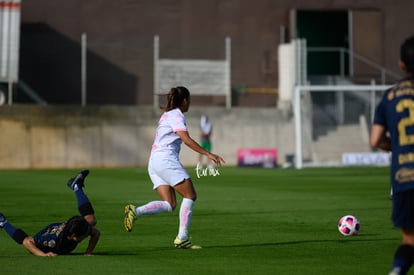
(167, 174)
(393, 130)
(206, 130)
(62, 237)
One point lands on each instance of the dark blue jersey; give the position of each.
(396, 113)
(53, 238)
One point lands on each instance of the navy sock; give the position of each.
(84, 206)
(15, 233)
(81, 197)
(10, 229)
(86, 209)
(404, 258)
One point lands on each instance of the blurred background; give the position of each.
(80, 81)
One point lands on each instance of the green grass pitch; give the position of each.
(249, 221)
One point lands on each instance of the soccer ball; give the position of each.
(349, 225)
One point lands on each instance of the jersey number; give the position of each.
(406, 139)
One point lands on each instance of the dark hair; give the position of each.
(77, 225)
(175, 97)
(407, 54)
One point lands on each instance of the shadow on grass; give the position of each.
(347, 240)
(158, 249)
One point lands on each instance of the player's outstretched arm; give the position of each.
(95, 234)
(30, 245)
(185, 137)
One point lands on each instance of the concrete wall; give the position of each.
(112, 136)
(120, 42)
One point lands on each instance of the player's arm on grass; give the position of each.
(185, 137)
(379, 138)
(93, 240)
(30, 245)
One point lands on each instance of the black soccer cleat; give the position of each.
(78, 180)
(3, 220)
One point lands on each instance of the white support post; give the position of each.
(9, 45)
(228, 72)
(83, 69)
(156, 72)
(298, 127)
(373, 102)
(304, 61)
(351, 43)
(8, 37)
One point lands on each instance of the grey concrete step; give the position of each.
(345, 138)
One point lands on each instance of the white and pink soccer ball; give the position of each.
(349, 225)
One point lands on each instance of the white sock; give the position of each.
(153, 207)
(186, 210)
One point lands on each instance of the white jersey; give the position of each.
(166, 141)
(205, 125)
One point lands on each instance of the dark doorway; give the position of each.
(324, 29)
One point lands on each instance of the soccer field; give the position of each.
(249, 221)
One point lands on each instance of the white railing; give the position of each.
(383, 72)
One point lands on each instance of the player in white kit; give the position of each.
(167, 174)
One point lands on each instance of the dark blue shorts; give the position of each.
(403, 209)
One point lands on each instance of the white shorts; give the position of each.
(166, 171)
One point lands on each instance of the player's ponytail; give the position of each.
(175, 98)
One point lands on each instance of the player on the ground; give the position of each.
(393, 130)
(63, 237)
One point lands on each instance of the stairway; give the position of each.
(346, 138)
